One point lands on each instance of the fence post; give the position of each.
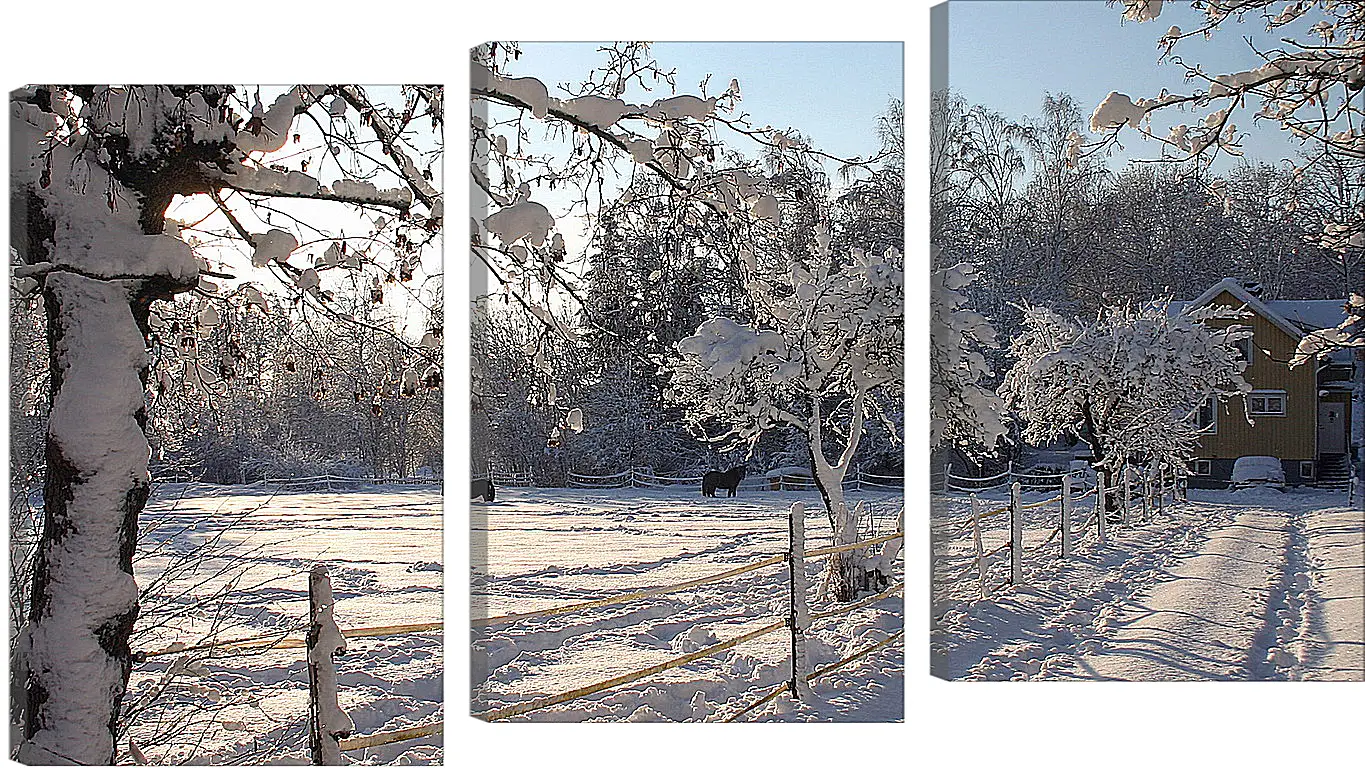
(977, 550)
(947, 477)
(328, 723)
(1101, 507)
(1009, 471)
(1127, 496)
(1016, 537)
(1066, 516)
(798, 619)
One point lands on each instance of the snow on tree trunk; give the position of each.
(328, 722)
(845, 570)
(84, 602)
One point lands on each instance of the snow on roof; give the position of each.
(1312, 314)
(1233, 286)
(788, 472)
(1295, 317)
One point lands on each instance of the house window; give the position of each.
(1266, 403)
(1244, 346)
(1206, 418)
(1306, 470)
(1202, 467)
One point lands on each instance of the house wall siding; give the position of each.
(1292, 437)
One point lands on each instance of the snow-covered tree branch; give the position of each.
(964, 412)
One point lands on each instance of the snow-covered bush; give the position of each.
(963, 412)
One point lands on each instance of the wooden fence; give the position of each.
(1030, 480)
(311, 482)
(329, 726)
(797, 621)
(640, 477)
(1137, 495)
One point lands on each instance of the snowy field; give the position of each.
(383, 546)
(538, 548)
(1245, 585)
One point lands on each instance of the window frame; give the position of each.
(1265, 395)
(1311, 466)
(1212, 404)
(1202, 467)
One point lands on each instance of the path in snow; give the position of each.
(1232, 586)
(1209, 619)
(1335, 642)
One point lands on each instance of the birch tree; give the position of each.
(94, 171)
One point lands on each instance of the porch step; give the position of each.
(1334, 471)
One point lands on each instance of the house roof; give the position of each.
(1233, 286)
(1311, 314)
(1295, 317)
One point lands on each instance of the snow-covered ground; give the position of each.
(383, 547)
(1246, 585)
(538, 548)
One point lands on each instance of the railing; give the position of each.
(329, 727)
(797, 621)
(328, 482)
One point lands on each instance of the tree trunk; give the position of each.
(845, 568)
(74, 649)
(1098, 455)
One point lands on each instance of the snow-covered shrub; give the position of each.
(963, 412)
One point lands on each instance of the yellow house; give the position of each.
(1299, 415)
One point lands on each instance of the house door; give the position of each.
(1331, 428)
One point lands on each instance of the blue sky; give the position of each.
(831, 92)
(1007, 54)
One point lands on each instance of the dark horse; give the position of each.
(483, 489)
(728, 480)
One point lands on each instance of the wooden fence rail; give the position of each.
(640, 477)
(796, 621)
(1150, 488)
